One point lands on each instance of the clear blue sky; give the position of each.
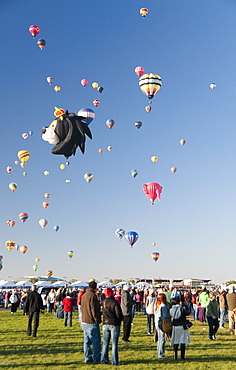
(190, 44)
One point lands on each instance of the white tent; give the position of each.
(59, 284)
(43, 284)
(23, 284)
(79, 284)
(8, 285)
(143, 284)
(122, 283)
(105, 284)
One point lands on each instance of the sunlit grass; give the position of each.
(57, 347)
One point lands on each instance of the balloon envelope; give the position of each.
(45, 204)
(84, 82)
(212, 86)
(182, 141)
(95, 85)
(9, 169)
(23, 249)
(138, 124)
(46, 173)
(152, 190)
(134, 173)
(143, 12)
(154, 159)
(120, 233)
(23, 216)
(131, 237)
(173, 169)
(50, 80)
(88, 177)
(24, 135)
(13, 186)
(57, 88)
(34, 30)
(37, 259)
(23, 155)
(139, 71)
(43, 223)
(100, 89)
(86, 113)
(109, 148)
(49, 273)
(148, 108)
(35, 267)
(41, 43)
(155, 256)
(110, 123)
(10, 244)
(11, 223)
(150, 84)
(70, 254)
(56, 227)
(96, 102)
(47, 195)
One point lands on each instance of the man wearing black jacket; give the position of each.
(112, 317)
(33, 306)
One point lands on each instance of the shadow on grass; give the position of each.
(50, 365)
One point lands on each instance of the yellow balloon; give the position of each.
(154, 159)
(95, 85)
(23, 155)
(57, 88)
(62, 166)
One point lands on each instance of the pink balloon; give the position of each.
(84, 82)
(152, 191)
(139, 71)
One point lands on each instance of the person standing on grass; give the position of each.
(203, 300)
(112, 317)
(231, 302)
(212, 316)
(67, 303)
(126, 307)
(13, 301)
(91, 319)
(33, 306)
(223, 308)
(161, 311)
(150, 305)
(78, 302)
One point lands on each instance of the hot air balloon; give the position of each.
(148, 108)
(109, 148)
(30, 132)
(88, 177)
(150, 84)
(34, 30)
(23, 249)
(110, 123)
(86, 113)
(24, 135)
(9, 169)
(212, 86)
(155, 256)
(1, 258)
(16, 162)
(139, 71)
(153, 191)
(57, 88)
(47, 195)
(95, 85)
(24, 156)
(56, 228)
(173, 169)
(49, 273)
(1, 266)
(13, 186)
(45, 204)
(143, 12)
(43, 223)
(35, 267)
(138, 124)
(182, 141)
(62, 166)
(46, 173)
(120, 233)
(41, 43)
(11, 223)
(23, 216)
(154, 159)
(96, 102)
(70, 254)
(84, 82)
(134, 173)
(100, 89)
(131, 237)
(10, 244)
(50, 80)
(67, 181)
(24, 173)
(17, 247)
(154, 244)
(37, 259)
(100, 150)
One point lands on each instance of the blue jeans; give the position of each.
(223, 314)
(195, 309)
(161, 343)
(91, 337)
(67, 315)
(110, 332)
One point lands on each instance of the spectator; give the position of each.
(126, 307)
(212, 316)
(68, 308)
(231, 302)
(33, 306)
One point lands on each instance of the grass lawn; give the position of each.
(57, 347)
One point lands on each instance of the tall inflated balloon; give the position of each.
(56, 227)
(49, 273)
(24, 156)
(131, 237)
(139, 71)
(34, 30)
(41, 43)
(134, 173)
(120, 233)
(23, 249)
(150, 84)
(35, 267)
(84, 82)
(47, 195)
(110, 123)
(43, 223)
(23, 216)
(182, 142)
(155, 256)
(10, 244)
(152, 190)
(86, 113)
(45, 204)
(9, 169)
(148, 108)
(13, 186)
(143, 12)
(50, 80)
(70, 254)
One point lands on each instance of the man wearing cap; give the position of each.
(91, 319)
(112, 317)
(126, 307)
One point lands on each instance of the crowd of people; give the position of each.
(166, 310)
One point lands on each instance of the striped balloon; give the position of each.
(10, 244)
(13, 186)
(86, 113)
(23, 249)
(150, 84)
(49, 273)
(23, 155)
(23, 216)
(131, 237)
(155, 256)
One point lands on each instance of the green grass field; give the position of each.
(57, 347)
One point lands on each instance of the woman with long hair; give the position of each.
(161, 311)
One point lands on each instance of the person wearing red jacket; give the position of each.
(68, 303)
(79, 296)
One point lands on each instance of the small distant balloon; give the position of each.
(16, 162)
(70, 254)
(34, 30)
(23, 216)
(86, 113)
(30, 132)
(1, 258)
(49, 273)
(10, 244)
(154, 159)
(17, 247)
(11, 223)
(67, 181)
(37, 259)
(23, 249)
(57, 88)
(131, 237)
(84, 82)
(110, 123)
(24, 135)
(13, 186)
(154, 244)
(24, 173)
(134, 173)
(88, 177)
(120, 233)
(152, 191)
(96, 102)
(47, 195)
(62, 166)
(138, 124)
(41, 43)
(46, 173)
(43, 223)
(182, 141)
(155, 256)
(1, 266)
(109, 148)
(143, 12)
(9, 169)
(139, 71)
(95, 85)
(213, 86)
(35, 267)
(24, 156)
(173, 169)
(100, 89)
(56, 227)
(45, 204)
(148, 108)
(49, 80)
(100, 150)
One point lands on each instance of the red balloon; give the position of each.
(139, 71)
(152, 191)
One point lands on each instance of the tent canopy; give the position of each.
(44, 284)
(23, 284)
(105, 284)
(59, 284)
(79, 284)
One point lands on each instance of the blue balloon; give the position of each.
(131, 237)
(56, 228)
(30, 133)
(87, 113)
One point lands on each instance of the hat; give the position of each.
(108, 292)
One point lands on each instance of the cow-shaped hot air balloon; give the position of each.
(152, 190)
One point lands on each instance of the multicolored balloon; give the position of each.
(96, 102)
(109, 148)
(46, 173)
(13, 186)
(84, 82)
(47, 195)
(35, 267)
(143, 12)
(138, 124)
(139, 71)
(70, 254)
(212, 86)
(110, 123)
(41, 43)
(10, 244)
(24, 156)
(67, 181)
(88, 177)
(23, 216)
(24, 135)
(155, 256)
(152, 190)
(134, 173)
(50, 80)
(9, 169)
(57, 88)
(11, 223)
(86, 113)
(173, 169)
(24, 173)
(34, 30)
(150, 84)
(131, 237)
(100, 151)
(43, 223)
(23, 249)
(49, 273)
(100, 89)
(37, 259)
(120, 233)
(45, 204)
(56, 227)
